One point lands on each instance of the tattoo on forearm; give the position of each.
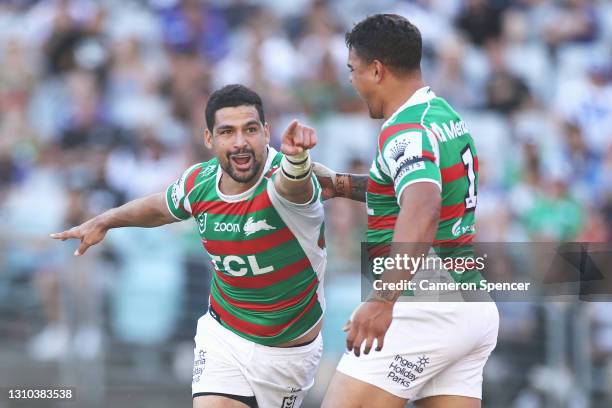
(359, 187)
(353, 186)
(343, 185)
(385, 295)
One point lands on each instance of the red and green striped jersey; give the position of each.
(425, 140)
(268, 253)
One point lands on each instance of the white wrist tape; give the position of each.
(297, 167)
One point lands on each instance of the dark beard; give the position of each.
(243, 178)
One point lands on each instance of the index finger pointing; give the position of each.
(290, 129)
(298, 138)
(73, 233)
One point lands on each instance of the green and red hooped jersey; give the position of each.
(268, 254)
(425, 140)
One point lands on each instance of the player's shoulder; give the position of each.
(440, 110)
(272, 164)
(416, 115)
(446, 123)
(408, 119)
(276, 158)
(197, 174)
(209, 167)
(401, 126)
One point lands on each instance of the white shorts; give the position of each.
(431, 348)
(225, 363)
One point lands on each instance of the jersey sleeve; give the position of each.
(314, 201)
(177, 193)
(305, 221)
(411, 157)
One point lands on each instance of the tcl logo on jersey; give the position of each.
(236, 265)
(227, 227)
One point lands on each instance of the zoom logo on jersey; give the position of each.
(227, 227)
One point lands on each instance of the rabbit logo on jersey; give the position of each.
(251, 227)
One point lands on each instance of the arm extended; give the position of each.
(298, 190)
(294, 181)
(351, 186)
(146, 212)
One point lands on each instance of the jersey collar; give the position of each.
(422, 95)
(239, 197)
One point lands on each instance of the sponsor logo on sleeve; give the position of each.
(405, 154)
(175, 195)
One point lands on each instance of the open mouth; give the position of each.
(242, 161)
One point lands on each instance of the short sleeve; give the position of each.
(411, 157)
(177, 193)
(314, 201)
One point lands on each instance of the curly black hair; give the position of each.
(388, 38)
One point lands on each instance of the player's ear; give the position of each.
(267, 132)
(378, 70)
(208, 138)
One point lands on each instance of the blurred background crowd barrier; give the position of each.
(103, 101)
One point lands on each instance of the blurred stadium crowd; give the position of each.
(103, 102)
